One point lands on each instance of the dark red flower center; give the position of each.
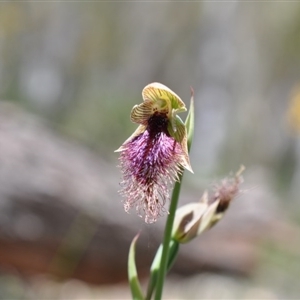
(157, 123)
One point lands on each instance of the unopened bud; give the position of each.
(225, 192)
(194, 218)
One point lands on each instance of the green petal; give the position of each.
(135, 286)
(164, 100)
(142, 112)
(180, 135)
(137, 132)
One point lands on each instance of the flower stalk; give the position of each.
(167, 239)
(173, 206)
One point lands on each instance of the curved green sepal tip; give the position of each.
(135, 286)
(180, 135)
(190, 121)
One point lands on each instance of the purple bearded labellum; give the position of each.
(155, 154)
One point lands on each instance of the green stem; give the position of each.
(173, 251)
(167, 239)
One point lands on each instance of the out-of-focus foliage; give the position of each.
(293, 113)
(84, 64)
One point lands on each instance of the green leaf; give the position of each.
(154, 272)
(173, 250)
(174, 247)
(190, 121)
(135, 286)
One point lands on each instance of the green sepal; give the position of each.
(135, 286)
(190, 121)
(178, 131)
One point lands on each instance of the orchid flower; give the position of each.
(155, 154)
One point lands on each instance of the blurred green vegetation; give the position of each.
(82, 66)
(96, 122)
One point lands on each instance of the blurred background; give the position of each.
(70, 73)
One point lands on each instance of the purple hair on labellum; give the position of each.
(150, 164)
